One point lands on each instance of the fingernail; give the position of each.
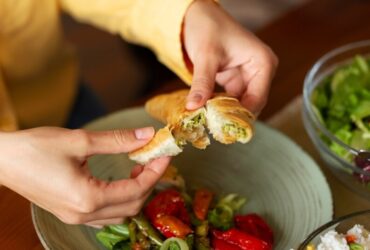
(144, 133)
(193, 101)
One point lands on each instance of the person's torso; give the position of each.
(38, 68)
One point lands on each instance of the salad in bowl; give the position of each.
(176, 219)
(336, 113)
(342, 103)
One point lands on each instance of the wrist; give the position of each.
(7, 143)
(201, 18)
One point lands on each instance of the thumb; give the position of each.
(118, 141)
(203, 83)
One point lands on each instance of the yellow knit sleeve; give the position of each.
(155, 24)
(8, 121)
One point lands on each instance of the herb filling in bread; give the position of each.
(180, 142)
(194, 122)
(234, 130)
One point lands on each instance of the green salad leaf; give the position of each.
(221, 216)
(112, 235)
(122, 245)
(342, 103)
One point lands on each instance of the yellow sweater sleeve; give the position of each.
(8, 121)
(155, 24)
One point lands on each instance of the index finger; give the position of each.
(205, 69)
(122, 191)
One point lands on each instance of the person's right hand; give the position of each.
(48, 166)
(221, 50)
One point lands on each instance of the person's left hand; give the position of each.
(49, 167)
(222, 51)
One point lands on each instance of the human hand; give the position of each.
(222, 51)
(48, 166)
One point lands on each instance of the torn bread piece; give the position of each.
(162, 144)
(228, 121)
(186, 125)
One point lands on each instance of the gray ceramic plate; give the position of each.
(281, 181)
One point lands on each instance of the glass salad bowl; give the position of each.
(354, 227)
(336, 113)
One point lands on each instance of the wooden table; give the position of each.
(298, 38)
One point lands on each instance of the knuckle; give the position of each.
(275, 60)
(84, 202)
(82, 137)
(133, 212)
(263, 101)
(137, 207)
(269, 57)
(117, 221)
(139, 193)
(87, 207)
(202, 85)
(121, 136)
(202, 82)
(80, 134)
(72, 219)
(130, 213)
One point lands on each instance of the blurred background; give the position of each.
(122, 74)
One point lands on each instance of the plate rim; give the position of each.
(39, 233)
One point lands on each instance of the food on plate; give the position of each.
(162, 144)
(342, 103)
(357, 238)
(227, 120)
(176, 219)
(186, 125)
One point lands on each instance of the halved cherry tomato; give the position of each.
(218, 244)
(202, 200)
(170, 226)
(242, 240)
(253, 224)
(167, 202)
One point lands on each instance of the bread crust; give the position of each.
(160, 140)
(170, 109)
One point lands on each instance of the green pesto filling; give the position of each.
(234, 130)
(197, 120)
(180, 142)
